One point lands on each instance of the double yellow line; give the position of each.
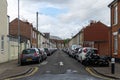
(18, 77)
(94, 74)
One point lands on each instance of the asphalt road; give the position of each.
(60, 66)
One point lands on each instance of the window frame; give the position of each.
(115, 43)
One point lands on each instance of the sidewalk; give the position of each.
(11, 68)
(106, 71)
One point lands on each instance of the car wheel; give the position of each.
(45, 58)
(21, 63)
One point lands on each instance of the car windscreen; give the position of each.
(28, 51)
(91, 51)
(45, 49)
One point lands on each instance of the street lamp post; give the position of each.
(18, 34)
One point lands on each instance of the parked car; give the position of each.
(31, 54)
(92, 59)
(47, 51)
(84, 51)
(78, 51)
(52, 50)
(43, 53)
(72, 50)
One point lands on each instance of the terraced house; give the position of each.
(96, 35)
(3, 31)
(28, 34)
(115, 28)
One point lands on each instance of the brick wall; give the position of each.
(25, 28)
(98, 33)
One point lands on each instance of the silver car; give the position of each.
(82, 53)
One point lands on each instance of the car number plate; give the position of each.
(29, 59)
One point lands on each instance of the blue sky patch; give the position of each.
(53, 11)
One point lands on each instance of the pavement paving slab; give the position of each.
(11, 68)
(106, 71)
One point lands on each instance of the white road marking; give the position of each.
(74, 71)
(61, 63)
(48, 71)
(43, 63)
(69, 70)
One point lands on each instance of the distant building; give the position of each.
(57, 42)
(77, 39)
(43, 42)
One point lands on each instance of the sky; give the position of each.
(62, 18)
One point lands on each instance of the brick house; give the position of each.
(115, 28)
(97, 35)
(27, 32)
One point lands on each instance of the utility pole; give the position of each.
(37, 27)
(18, 34)
(37, 20)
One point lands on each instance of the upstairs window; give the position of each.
(115, 14)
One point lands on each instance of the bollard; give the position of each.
(113, 65)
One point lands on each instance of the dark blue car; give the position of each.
(30, 55)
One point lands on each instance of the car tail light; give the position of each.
(35, 54)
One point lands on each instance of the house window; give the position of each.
(115, 44)
(2, 43)
(115, 14)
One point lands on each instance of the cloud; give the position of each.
(70, 15)
(86, 10)
(47, 1)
